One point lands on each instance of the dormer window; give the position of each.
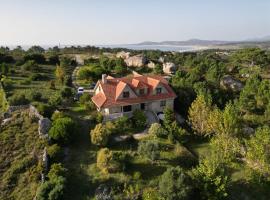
(158, 90)
(141, 91)
(126, 94)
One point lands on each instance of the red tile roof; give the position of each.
(114, 87)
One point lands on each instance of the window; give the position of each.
(141, 91)
(162, 103)
(127, 108)
(158, 90)
(125, 94)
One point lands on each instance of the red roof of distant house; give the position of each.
(114, 87)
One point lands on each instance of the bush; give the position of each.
(18, 99)
(99, 117)
(123, 125)
(45, 109)
(38, 77)
(139, 120)
(55, 152)
(107, 162)
(150, 149)
(157, 130)
(175, 184)
(57, 114)
(85, 98)
(55, 100)
(35, 95)
(30, 65)
(99, 135)
(53, 189)
(104, 158)
(62, 130)
(67, 92)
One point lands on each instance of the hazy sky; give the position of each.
(130, 21)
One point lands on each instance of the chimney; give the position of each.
(104, 78)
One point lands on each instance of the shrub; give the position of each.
(67, 92)
(139, 119)
(62, 130)
(157, 130)
(45, 109)
(38, 77)
(30, 65)
(55, 100)
(57, 115)
(175, 184)
(150, 149)
(99, 135)
(18, 99)
(104, 158)
(150, 194)
(99, 117)
(123, 125)
(84, 73)
(35, 95)
(85, 98)
(55, 152)
(53, 189)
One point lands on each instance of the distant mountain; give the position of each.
(198, 42)
(191, 42)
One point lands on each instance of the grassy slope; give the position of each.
(20, 153)
(20, 77)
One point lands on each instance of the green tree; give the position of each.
(198, 115)
(99, 135)
(62, 130)
(53, 188)
(104, 160)
(139, 119)
(258, 154)
(157, 130)
(150, 149)
(60, 73)
(175, 184)
(169, 117)
(211, 178)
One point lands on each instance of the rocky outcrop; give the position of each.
(103, 192)
(169, 68)
(230, 83)
(123, 54)
(151, 65)
(136, 61)
(44, 125)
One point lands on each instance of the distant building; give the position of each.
(169, 68)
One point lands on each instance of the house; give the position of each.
(115, 97)
(136, 61)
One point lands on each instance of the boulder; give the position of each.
(151, 65)
(230, 83)
(169, 68)
(44, 125)
(248, 130)
(103, 192)
(123, 54)
(136, 61)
